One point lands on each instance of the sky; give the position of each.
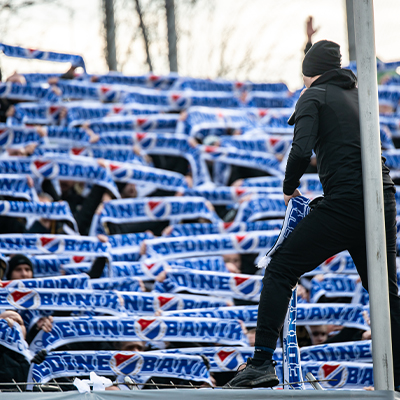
(257, 40)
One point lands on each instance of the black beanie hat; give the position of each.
(13, 263)
(322, 57)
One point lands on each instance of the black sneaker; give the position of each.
(252, 376)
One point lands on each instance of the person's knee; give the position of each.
(279, 273)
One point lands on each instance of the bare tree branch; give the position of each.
(144, 34)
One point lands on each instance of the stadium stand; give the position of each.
(141, 206)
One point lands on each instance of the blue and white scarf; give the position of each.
(125, 284)
(264, 181)
(32, 211)
(215, 264)
(333, 285)
(17, 136)
(140, 366)
(229, 358)
(151, 209)
(221, 359)
(127, 246)
(113, 153)
(259, 207)
(52, 244)
(341, 263)
(130, 268)
(81, 169)
(176, 145)
(151, 303)
(141, 123)
(181, 100)
(45, 266)
(297, 209)
(64, 135)
(307, 314)
(340, 375)
(270, 100)
(54, 282)
(149, 80)
(13, 339)
(203, 330)
(82, 90)
(291, 353)
(150, 270)
(272, 144)
(238, 286)
(360, 351)
(80, 300)
(143, 175)
(14, 185)
(76, 269)
(37, 114)
(21, 52)
(204, 121)
(80, 112)
(222, 227)
(193, 246)
(228, 195)
(229, 155)
(28, 92)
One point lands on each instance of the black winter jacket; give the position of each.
(327, 121)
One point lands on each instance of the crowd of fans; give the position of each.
(259, 117)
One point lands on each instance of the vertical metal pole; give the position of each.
(373, 195)
(350, 30)
(172, 48)
(109, 25)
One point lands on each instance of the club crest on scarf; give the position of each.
(157, 209)
(126, 363)
(228, 359)
(144, 124)
(50, 244)
(144, 140)
(154, 268)
(119, 172)
(246, 286)
(150, 328)
(244, 242)
(53, 113)
(108, 94)
(336, 374)
(45, 169)
(24, 299)
(179, 100)
(168, 303)
(34, 53)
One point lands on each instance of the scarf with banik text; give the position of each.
(307, 314)
(138, 365)
(203, 330)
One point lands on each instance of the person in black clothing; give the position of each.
(327, 121)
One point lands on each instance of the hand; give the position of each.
(294, 194)
(310, 29)
(11, 317)
(366, 335)
(45, 324)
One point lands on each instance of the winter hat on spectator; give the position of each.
(322, 57)
(13, 263)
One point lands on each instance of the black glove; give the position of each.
(39, 357)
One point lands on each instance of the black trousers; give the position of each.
(331, 227)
